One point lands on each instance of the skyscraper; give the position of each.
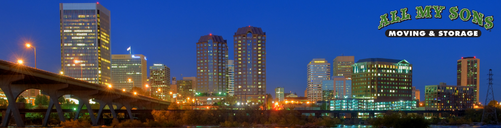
(469, 74)
(279, 94)
(318, 70)
(160, 81)
(342, 87)
(342, 66)
(128, 71)
(212, 57)
(382, 79)
(250, 63)
(85, 42)
(231, 77)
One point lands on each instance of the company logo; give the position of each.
(425, 13)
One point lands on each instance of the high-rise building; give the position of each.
(318, 70)
(231, 77)
(342, 86)
(250, 63)
(279, 94)
(129, 71)
(85, 42)
(160, 81)
(416, 94)
(449, 97)
(469, 74)
(342, 66)
(382, 79)
(193, 83)
(328, 90)
(212, 57)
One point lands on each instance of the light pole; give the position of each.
(81, 72)
(34, 51)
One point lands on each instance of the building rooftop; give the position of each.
(379, 59)
(253, 30)
(215, 38)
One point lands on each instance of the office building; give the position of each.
(318, 70)
(279, 94)
(212, 57)
(193, 83)
(184, 87)
(416, 94)
(160, 81)
(328, 90)
(342, 86)
(85, 42)
(231, 77)
(342, 66)
(382, 79)
(449, 97)
(250, 63)
(469, 74)
(129, 71)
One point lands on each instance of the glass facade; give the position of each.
(371, 105)
(129, 71)
(212, 57)
(382, 79)
(328, 90)
(85, 42)
(342, 86)
(250, 63)
(231, 77)
(160, 81)
(318, 71)
(279, 94)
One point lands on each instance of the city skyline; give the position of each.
(279, 74)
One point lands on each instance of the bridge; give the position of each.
(16, 78)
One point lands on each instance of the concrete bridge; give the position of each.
(16, 78)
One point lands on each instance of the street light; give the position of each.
(28, 45)
(123, 89)
(19, 61)
(109, 85)
(135, 93)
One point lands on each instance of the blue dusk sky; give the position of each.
(297, 31)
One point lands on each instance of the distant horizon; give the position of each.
(297, 31)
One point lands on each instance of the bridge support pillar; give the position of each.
(103, 101)
(11, 93)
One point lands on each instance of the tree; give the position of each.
(173, 106)
(41, 100)
(3, 103)
(21, 99)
